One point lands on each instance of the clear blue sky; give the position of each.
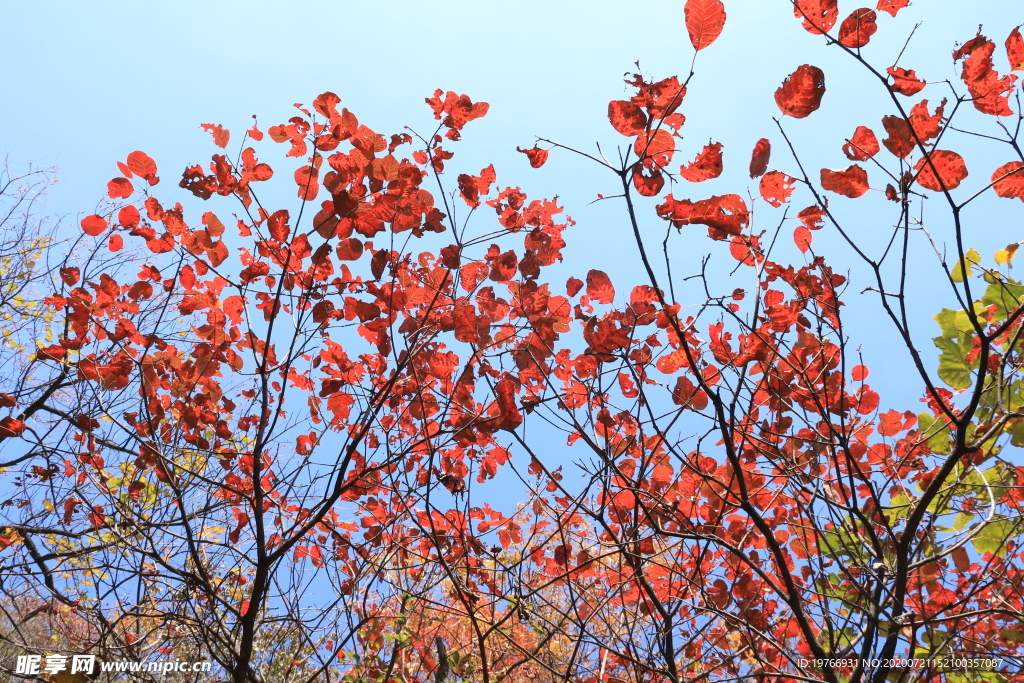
(87, 83)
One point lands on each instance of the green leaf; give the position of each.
(953, 322)
(1012, 635)
(992, 537)
(1017, 433)
(953, 367)
(1005, 296)
(937, 432)
(962, 520)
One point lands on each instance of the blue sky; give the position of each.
(90, 82)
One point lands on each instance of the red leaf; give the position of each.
(1008, 180)
(141, 164)
(537, 156)
(859, 373)
(802, 237)
(739, 248)
(627, 117)
(849, 182)
(326, 104)
(115, 243)
(890, 423)
(70, 276)
(927, 126)
(647, 185)
(819, 16)
(857, 29)
(123, 167)
(811, 217)
(891, 6)
(776, 188)
(599, 287)
(950, 166)
(472, 187)
(687, 394)
(759, 158)
(705, 20)
(707, 165)
(119, 188)
(867, 400)
(1015, 50)
(655, 148)
(572, 286)
(801, 92)
(220, 134)
(128, 217)
(905, 82)
(93, 225)
(724, 215)
(510, 417)
(862, 146)
(900, 141)
(991, 93)
(10, 426)
(660, 99)
(277, 224)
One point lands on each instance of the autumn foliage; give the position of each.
(278, 424)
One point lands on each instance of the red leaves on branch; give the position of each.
(536, 155)
(941, 169)
(660, 98)
(705, 20)
(891, 6)
(857, 29)
(801, 92)
(818, 16)
(905, 82)
(759, 157)
(862, 146)
(1008, 180)
(849, 182)
(456, 111)
(810, 219)
(990, 92)
(706, 166)
(776, 188)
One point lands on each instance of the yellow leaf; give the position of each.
(1005, 256)
(962, 270)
